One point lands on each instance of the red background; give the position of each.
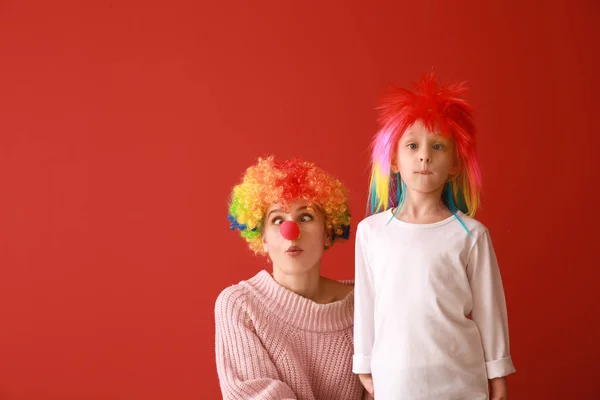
(124, 125)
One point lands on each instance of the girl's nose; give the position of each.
(289, 230)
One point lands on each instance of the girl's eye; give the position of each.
(306, 218)
(277, 221)
(412, 146)
(438, 146)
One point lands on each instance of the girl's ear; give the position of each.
(455, 170)
(265, 246)
(453, 173)
(394, 160)
(394, 163)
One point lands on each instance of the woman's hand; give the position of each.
(499, 389)
(367, 382)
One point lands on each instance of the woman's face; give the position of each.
(302, 254)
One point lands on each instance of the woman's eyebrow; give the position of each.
(274, 210)
(282, 211)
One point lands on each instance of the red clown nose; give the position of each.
(290, 230)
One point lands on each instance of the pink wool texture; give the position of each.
(274, 344)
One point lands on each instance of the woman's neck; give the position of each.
(307, 284)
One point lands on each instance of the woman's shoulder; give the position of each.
(338, 290)
(245, 296)
(345, 289)
(232, 297)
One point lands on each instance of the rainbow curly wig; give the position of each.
(282, 182)
(437, 106)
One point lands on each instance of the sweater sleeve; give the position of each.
(364, 305)
(489, 307)
(244, 367)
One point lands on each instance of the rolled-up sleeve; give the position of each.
(364, 303)
(489, 307)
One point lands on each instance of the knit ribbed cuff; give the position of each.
(499, 368)
(361, 364)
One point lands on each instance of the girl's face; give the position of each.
(426, 160)
(302, 254)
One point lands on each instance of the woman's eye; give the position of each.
(277, 221)
(306, 218)
(438, 146)
(412, 146)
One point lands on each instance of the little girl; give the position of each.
(430, 314)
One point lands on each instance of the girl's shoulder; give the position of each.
(374, 221)
(475, 227)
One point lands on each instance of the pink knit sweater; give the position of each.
(274, 344)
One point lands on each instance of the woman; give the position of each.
(287, 335)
